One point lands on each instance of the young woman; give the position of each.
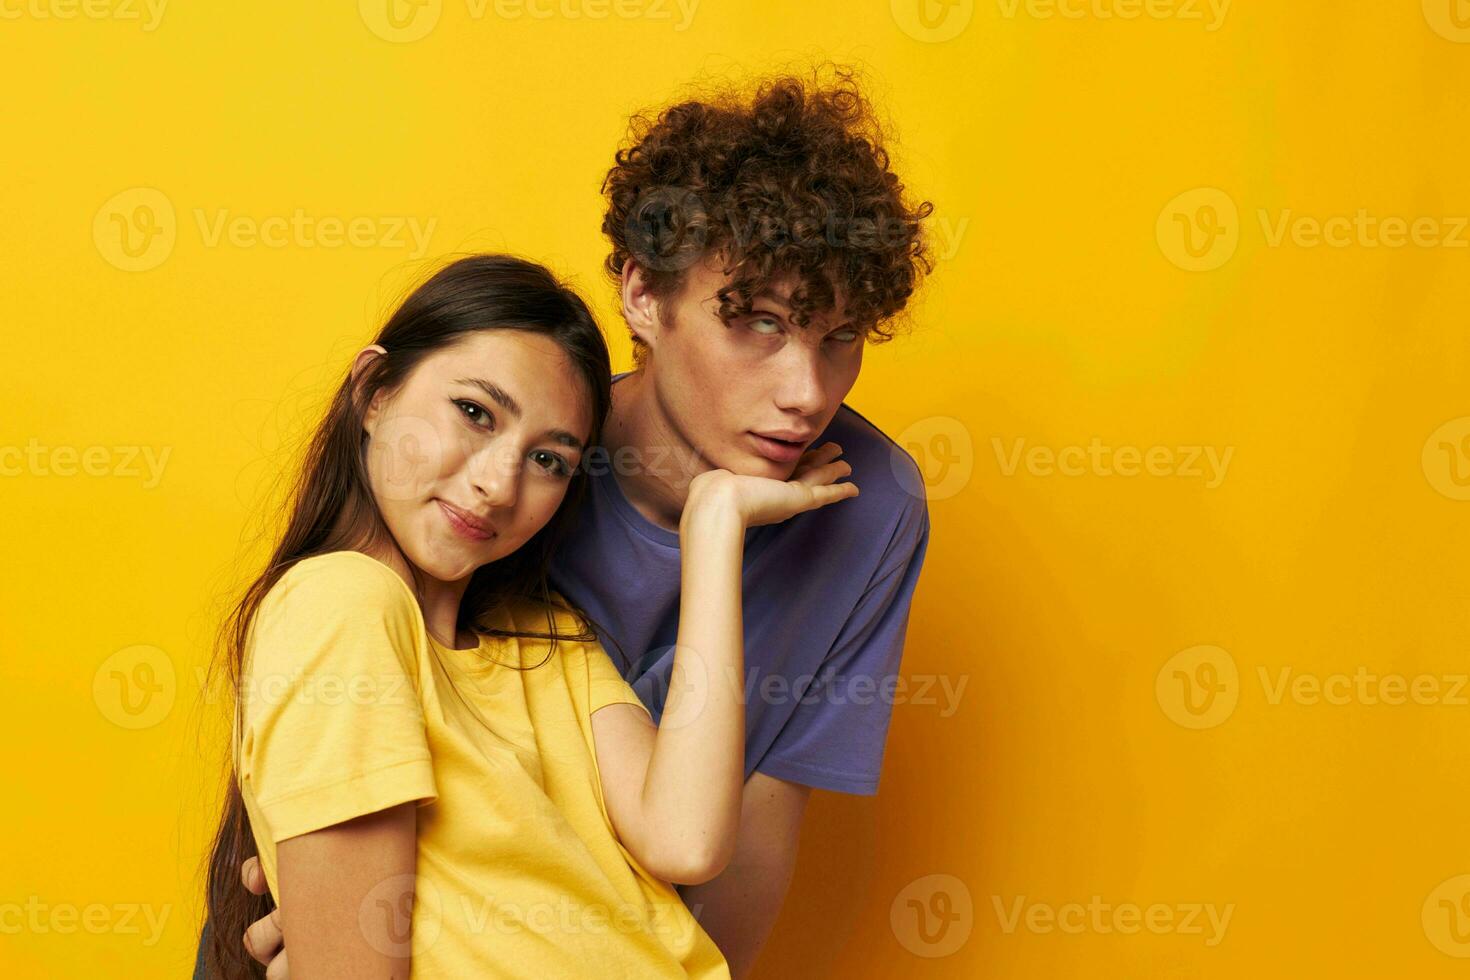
(439, 767)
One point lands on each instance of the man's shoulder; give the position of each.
(885, 471)
(892, 505)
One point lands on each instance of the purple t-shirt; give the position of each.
(826, 603)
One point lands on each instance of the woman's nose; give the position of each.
(496, 474)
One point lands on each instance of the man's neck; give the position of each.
(656, 465)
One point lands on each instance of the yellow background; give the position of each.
(1067, 157)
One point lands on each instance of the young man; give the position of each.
(757, 243)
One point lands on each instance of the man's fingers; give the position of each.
(824, 453)
(264, 938)
(826, 473)
(278, 970)
(252, 877)
(832, 492)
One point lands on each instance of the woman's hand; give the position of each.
(760, 500)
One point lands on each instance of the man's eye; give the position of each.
(844, 336)
(476, 414)
(765, 326)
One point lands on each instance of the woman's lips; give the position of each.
(462, 523)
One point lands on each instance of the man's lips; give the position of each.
(778, 449)
(466, 524)
(787, 435)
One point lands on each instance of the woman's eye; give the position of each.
(551, 462)
(473, 412)
(844, 336)
(765, 326)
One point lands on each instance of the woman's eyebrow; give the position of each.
(566, 439)
(497, 394)
(502, 398)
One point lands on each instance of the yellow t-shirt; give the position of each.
(348, 708)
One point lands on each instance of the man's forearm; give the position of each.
(739, 907)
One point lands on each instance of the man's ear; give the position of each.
(360, 364)
(640, 307)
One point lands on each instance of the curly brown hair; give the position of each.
(790, 181)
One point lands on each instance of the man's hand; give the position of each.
(264, 940)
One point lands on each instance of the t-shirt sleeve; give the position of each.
(333, 725)
(605, 684)
(836, 736)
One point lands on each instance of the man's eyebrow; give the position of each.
(785, 312)
(502, 398)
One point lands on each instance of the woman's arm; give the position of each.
(739, 907)
(674, 792)
(347, 897)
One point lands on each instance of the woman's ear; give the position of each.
(360, 364)
(640, 307)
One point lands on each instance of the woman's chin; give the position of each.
(446, 563)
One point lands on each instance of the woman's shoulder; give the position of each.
(337, 584)
(350, 569)
(335, 607)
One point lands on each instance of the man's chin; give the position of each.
(754, 464)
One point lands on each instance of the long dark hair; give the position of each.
(331, 508)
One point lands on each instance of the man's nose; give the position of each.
(801, 388)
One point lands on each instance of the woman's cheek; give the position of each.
(406, 455)
(456, 450)
(543, 500)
